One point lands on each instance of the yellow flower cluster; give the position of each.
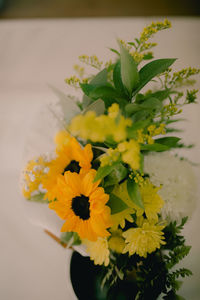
(143, 138)
(150, 30)
(91, 60)
(98, 128)
(138, 57)
(33, 174)
(128, 152)
(73, 81)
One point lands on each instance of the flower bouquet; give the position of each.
(115, 178)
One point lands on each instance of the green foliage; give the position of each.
(129, 72)
(70, 238)
(39, 198)
(117, 79)
(104, 171)
(176, 255)
(154, 147)
(152, 69)
(172, 234)
(116, 204)
(170, 141)
(134, 192)
(117, 174)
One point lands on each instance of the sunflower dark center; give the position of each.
(73, 166)
(81, 207)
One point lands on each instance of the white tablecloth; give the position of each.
(40, 52)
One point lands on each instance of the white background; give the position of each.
(32, 55)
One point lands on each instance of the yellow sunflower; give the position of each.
(70, 157)
(81, 203)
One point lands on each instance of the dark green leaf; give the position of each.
(148, 56)
(154, 147)
(117, 78)
(116, 204)
(151, 103)
(140, 115)
(134, 192)
(118, 174)
(152, 69)
(129, 72)
(104, 171)
(170, 141)
(160, 95)
(99, 79)
(102, 92)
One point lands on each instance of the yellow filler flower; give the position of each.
(81, 203)
(70, 157)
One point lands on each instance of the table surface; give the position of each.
(34, 54)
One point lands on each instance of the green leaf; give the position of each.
(134, 192)
(129, 72)
(170, 141)
(70, 238)
(116, 204)
(38, 198)
(115, 51)
(97, 106)
(148, 56)
(154, 147)
(117, 78)
(148, 104)
(102, 92)
(132, 131)
(160, 95)
(140, 115)
(118, 174)
(139, 125)
(99, 79)
(151, 103)
(152, 69)
(104, 171)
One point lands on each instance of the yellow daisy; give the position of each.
(144, 239)
(98, 251)
(81, 203)
(70, 157)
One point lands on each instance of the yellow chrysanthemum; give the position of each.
(120, 218)
(98, 251)
(151, 200)
(98, 128)
(144, 239)
(82, 204)
(34, 172)
(116, 242)
(70, 157)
